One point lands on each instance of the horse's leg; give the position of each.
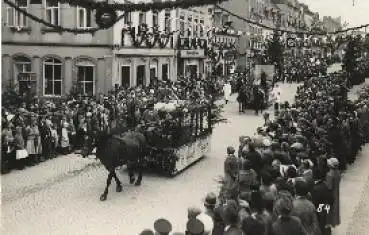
(117, 181)
(131, 174)
(108, 182)
(139, 171)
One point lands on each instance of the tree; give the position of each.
(350, 60)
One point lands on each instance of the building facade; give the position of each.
(51, 62)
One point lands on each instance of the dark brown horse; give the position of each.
(115, 150)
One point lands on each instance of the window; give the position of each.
(83, 18)
(190, 25)
(52, 14)
(202, 28)
(14, 17)
(142, 18)
(225, 19)
(167, 21)
(127, 17)
(181, 25)
(155, 18)
(196, 29)
(85, 78)
(22, 65)
(52, 77)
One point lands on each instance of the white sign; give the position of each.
(192, 54)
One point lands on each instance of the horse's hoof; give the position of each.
(132, 180)
(119, 188)
(103, 197)
(137, 183)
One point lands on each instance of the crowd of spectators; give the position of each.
(43, 129)
(285, 179)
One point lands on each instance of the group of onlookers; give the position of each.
(285, 180)
(36, 131)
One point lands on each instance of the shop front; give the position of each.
(137, 67)
(191, 62)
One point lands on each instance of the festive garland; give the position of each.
(128, 7)
(150, 38)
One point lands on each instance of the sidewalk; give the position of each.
(354, 189)
(21, 182)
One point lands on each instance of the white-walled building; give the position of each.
(137, 60)
(135, 64)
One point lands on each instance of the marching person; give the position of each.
(227, 90)
(333, 180)
(231, 167)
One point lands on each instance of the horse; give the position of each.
(114, 150)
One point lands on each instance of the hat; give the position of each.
(147, 232)
(333, 162)
(210, 199)
(162, 226)
(193, 211)
(195, 227)
(230, 150)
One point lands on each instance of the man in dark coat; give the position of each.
(322, 199)
(258, 100)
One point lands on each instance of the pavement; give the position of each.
(61, 196)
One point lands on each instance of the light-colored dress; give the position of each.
(30, 140)
(37, 140)
(227, 89)
(64, 141)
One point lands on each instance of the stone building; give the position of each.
(49, 61)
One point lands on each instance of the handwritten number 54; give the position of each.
(322, 207)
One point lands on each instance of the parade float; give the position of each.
(183, 137)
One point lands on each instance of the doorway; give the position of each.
(126, 76)
(140, 74)
(164, 72)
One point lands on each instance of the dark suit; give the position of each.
(322, 199)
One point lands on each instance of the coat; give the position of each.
(305, 211)
(322, 199)
(333, 180)
(231, 167)
(287, 226)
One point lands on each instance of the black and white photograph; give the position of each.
(184, 117)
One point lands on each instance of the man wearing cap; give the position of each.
(206, 217)
(231, 167)
(194, 227)
(162, 227)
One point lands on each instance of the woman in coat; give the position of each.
(333, 179)
(30, 137)
(19, 145)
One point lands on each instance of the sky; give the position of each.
(353, 15)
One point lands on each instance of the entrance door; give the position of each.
(126, 76)
(140, 74)
(191, 70)
(152, 73)
(164, 72)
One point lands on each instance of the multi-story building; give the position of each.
(144, 48)
(193, 26)
(240, 8)
(50, 61)
(331, 24)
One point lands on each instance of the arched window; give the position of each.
(22, 73)
(86, 77)
(52, 77)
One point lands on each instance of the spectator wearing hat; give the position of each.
(247, 177)
(162, 227)
(333, 179)
(206, 217)
(304, 209)
(322, 199)
(230, 216)
(255, 158)
(286, 224)
(147, 232)
(231, 167)
(7, 149)
(194, 227)
(267, 187)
